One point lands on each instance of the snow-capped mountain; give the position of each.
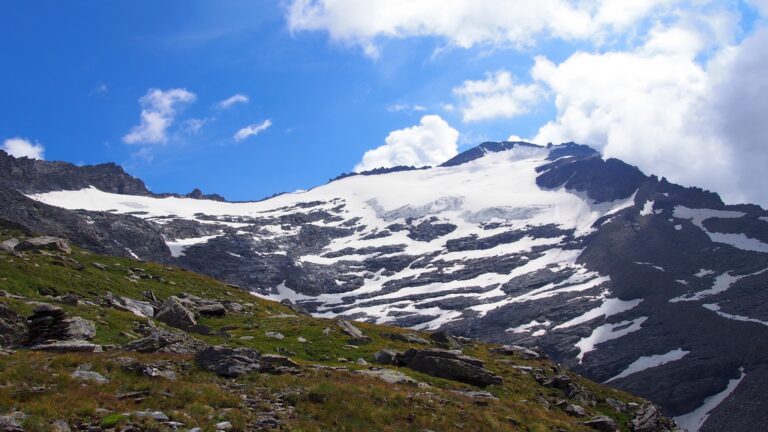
(631, 280)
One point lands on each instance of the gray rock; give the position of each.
(274, 335)
(406, 337)
(165, 341)
(80, 329)
(449, 365)
(571, 409)
(60, 426)
(223, 426)
(45, 243)
(648, 418)
(390, 376)
(357, 337)
(445, 340)
(68, 346)
(385, 356)
(173, 313)
(228, 362)
(517, 350)
(602, 424)
(139, 308)
(9, 245)
(155, 415)
(10, 424)
(91, 376)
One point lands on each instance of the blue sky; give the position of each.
(332, 88)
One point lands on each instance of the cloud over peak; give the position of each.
(158, 113)
(431, 142)
(20, 147)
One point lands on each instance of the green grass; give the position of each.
(323, 400)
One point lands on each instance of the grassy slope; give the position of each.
(323, 399)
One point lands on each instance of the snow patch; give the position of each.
(607, 332)
(716, 308)
(652, 361)
(647, 208)
(178, 246)
(696, 418)
(612, 306)
(739, 241)
(721, 284)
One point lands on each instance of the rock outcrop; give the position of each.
(449, 365)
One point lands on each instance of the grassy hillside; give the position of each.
(325, 395)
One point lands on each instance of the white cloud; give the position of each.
(399, 107)
(158, 112)
(659, 107)
(467, 23)
(431, 142)
(496, 97)
(232, 100)
(252, 130)
(20, 147)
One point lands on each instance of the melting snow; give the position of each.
(177, 246)
(716, 308)
(526, 328)
(607, 332)
(695, 419)
(652, 361)
(739, 241)
(647, 208)
(609, 307)
(721, 284)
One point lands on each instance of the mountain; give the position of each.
(631, 280)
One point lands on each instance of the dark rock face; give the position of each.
(602, 180)
(31, 176)
(449, 365)
(228, 362)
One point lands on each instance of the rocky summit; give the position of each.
(644, 285)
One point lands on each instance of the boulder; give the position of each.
(648, 418)
(228, 362)
(449, 365)
(357, 337)
(201, 306)
(68, 346)
(50, 323)
(294, 307)
(175, 314)
(165, 341)
(385, 356)
(60, 426)
(162, 369)
(278, 364)
(406, 337)
(517, 350)
(602, 424)
(45, 243)
(9, 245)
(274, 335)
(445, 340)
(567, 385)
(139, 308)
(571, 409)
(390, 376)
(10, 424)
(89, 375)
(12, 327)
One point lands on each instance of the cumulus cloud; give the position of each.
(158, 112)
(467, 23)
(20, 147)
(252, 130)
(657, 106)
(431, 142)
(498, 96)
(232, 100)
